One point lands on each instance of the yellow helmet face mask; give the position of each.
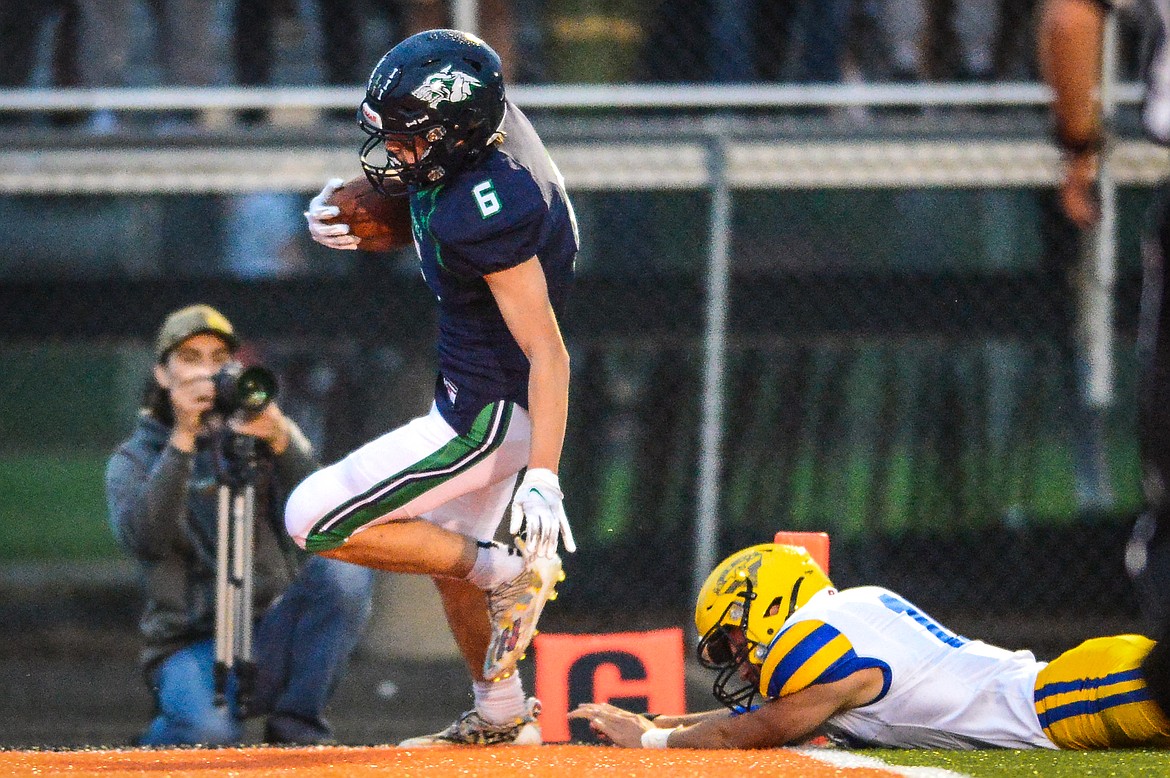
(754, 590)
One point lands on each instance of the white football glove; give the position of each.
(538, 507)
(335, 236)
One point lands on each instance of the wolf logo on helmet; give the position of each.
(446, 85)
(743, 605)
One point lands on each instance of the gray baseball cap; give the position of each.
(189, 321)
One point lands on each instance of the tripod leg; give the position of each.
(224, 601)
(245, 527)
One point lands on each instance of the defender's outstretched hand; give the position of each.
(331, 234)
(538, 508)
(611, 723)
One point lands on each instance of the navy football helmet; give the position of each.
(440, 94)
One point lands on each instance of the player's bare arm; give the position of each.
(1070, 57)
(522, 295)
(688, 719)
(790, 719)
(1070, 44)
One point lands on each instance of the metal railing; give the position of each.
(704, 97)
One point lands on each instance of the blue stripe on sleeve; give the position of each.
(842, 667)
(801, 653)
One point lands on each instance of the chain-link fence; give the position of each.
(899, 359)
(901, 370)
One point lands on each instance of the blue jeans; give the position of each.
(301, 645)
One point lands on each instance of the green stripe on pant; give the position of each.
(457, 456)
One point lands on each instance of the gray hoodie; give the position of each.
(163, 510)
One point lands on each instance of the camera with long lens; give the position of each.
(239, 388)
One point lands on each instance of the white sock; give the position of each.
(499, 702)
(495, 564)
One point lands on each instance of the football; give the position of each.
(383, 223)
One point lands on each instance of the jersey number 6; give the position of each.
(486, 198)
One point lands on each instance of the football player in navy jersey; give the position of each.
(496, 240)
(867, 668)
(1071, 41)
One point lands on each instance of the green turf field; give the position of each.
(53, 506)
(1045, 764)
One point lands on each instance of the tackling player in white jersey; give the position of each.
(867, 668)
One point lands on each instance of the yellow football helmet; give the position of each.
(755, 590)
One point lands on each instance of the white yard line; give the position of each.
(839, 758)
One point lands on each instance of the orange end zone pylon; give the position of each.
(816, 543)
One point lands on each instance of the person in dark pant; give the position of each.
(254, 34)
(162, 486)
(20, 32)
(1071, 40)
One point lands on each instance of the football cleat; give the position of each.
(470, 729)
(513, 610)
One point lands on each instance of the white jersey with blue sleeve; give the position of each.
(941, 690)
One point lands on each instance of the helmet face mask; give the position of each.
(743, 605)
(439, 93)
(726, 649)
(722, 644)
(386, 156)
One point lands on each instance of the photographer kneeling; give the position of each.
(162, 486)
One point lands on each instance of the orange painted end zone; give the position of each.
(488, 762)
